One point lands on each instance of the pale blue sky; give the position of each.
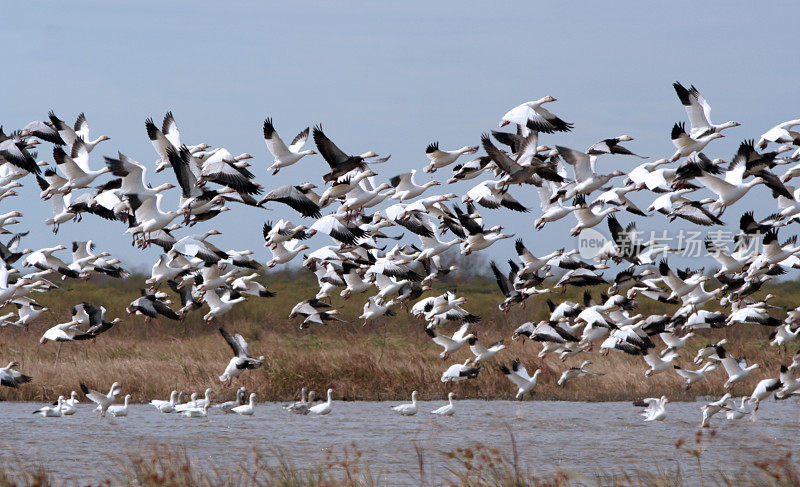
(389, 77)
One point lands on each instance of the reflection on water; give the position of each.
(580, 436)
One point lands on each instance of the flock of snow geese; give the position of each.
(355, 262)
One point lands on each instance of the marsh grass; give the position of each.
(476, 465)
(383, 361)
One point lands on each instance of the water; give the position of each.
(585, 437)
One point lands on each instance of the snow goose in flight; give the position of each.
(658, 363)
(739, 412)
(790, 384)
(656, 408)
(246, 409)
(339, 162)
(460, 372)
(709, 351)
(103, 401)
(693, 376)
(13, 378)
(283, 231)
(224, 169)
(325, 407)
(62, 332)
(120, 411)
(530, 116)
(451, 344)
(483, 353)
(526, 168)
(519, 376)
(712, 408)
(75, 167)
(52, 412)
(44, 260)
(611, 146)
(343, 185)
(148, 216)
(448, 409)
(480, 238)
(15, 151)
(783, 334)
(151, 306)
(587, 215)
(489, 196)
(699, 112)
(249, 285)
(27, 312)
(373, 310)
(405, 188)
(242, 359)
(219, 305)
(166, 406)
(781, 134)
(409, 409)
(283, 253)
(333, 226)
(284, 156)
(70, 135)
(575, 372)
(295, 197)
(62, 211)
(686, 144)
(766, 388)
(470, 169)
(737, 370)
(441, 158)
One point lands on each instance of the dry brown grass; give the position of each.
(384, 361)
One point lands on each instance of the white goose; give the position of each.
(283, 253)
(120, 411)
(448, 409)
(781, 134)
(530, 116)
(76, 167)
(451, 344)
(482, 353)
(712, 408)
(686, 144)
(166, 406)
(699, 111)
(284, 156)
(241, 360)
(217, 305)
(50, 411)
(519, 376)
(197, 412)
(249, 408)
(737, 371)
(103, 401)
(441, 158)
(656, 408)
(693, 376)
(405, 188)
(325, 407)
(408, 409)
(191, 403)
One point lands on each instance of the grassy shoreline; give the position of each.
(383, 361)
(474, 465)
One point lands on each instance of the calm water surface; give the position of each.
(582, 436)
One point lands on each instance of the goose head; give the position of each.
(624, 138)
(414, 396)
(467, 149)
(546, 99)
(367, 155)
